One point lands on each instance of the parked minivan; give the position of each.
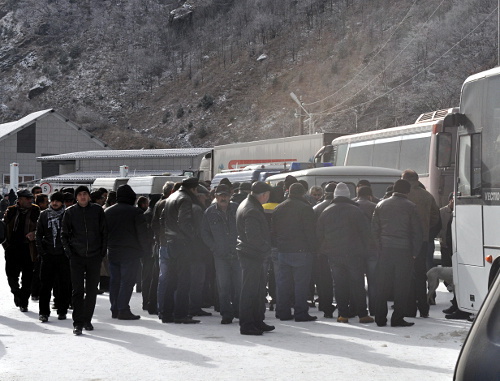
(380, 178)
(145, 185)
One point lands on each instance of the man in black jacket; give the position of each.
(127, 244)
(20, 249)
(177, 219)
(84, 238)
(293, 225)
(397, 232)
(54, 268)
(220, 235)
(343, 231)
(254, 246)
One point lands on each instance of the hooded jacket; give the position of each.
(127, 227)
(48, 238)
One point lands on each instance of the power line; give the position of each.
(369, 62)
(387, 67)
(418, 73)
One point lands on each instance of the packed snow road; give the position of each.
(146, 349)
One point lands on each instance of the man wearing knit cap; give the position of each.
(397, 231)
(344, 231)
(127, 243)
(180, 230)
(254, 246)
(54, 264)
(293, 225)
(84, 237)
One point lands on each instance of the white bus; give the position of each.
(476, 221)
(405, 147)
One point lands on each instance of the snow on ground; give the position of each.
(149, 350)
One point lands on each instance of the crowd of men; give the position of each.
(193, 247)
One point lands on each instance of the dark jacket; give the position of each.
(84, 231)
(13, 214)
(367, 207)
(177, 216)
(199, 247)
(219, 230)
(321, 206)
(254, 238)
(396, 224)
(343, 230)
(46, 242)
(294, 226)
(127, 229)
(158, 232)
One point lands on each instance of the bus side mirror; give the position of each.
(443, 150)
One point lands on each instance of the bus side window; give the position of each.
(463, 186)
(476, 164)
(469, 159)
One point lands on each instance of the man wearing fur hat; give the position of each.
(344, 231)
(84, 238)
(20, 250)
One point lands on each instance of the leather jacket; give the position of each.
(177, 216)
(84, 232)
(254, 238)
(396, 224)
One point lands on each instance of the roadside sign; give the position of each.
(46, 188)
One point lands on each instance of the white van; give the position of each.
(145, 185)
(380, 178)
(109, 183)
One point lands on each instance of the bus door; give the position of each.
(468, 257)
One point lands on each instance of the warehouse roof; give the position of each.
(10, 128)
(132, 153)
(91, 176)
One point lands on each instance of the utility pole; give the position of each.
(311, 122)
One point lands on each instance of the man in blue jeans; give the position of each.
(293, 225)
(127, 243)
(180, 230)
(220, 235)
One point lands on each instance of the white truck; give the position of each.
(302, 148)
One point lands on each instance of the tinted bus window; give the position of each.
(360, 154)
(491, 135)
(415, 155)
(386, 154)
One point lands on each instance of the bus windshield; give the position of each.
(491, 135)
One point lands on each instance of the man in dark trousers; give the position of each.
(254, 246)
(54, 263)
(127, 244)
(294, 229)
(20, 250)
(220, 235)
(343, 232)
(428, 212)
(397, 231)
(178, 221)
(84, 238)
